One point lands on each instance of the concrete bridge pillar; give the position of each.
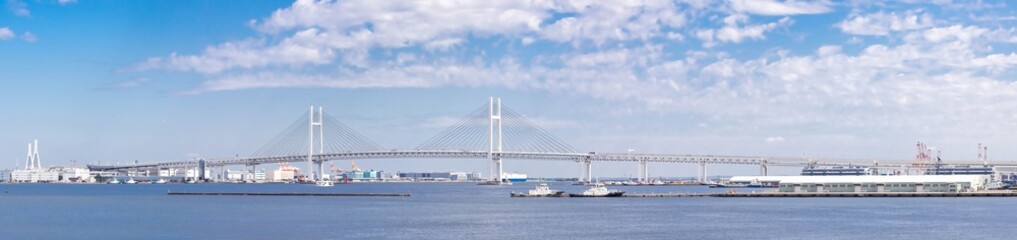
(585, 170)
(762, 169)
(643, 175)
(702, 172)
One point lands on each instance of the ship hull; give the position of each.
(611, 194)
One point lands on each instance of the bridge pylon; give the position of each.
(494, 140)
(314, 170)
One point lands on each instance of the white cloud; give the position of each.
(29, 37)
(945, 77)
(18, 8)
(66, 2)
(603, 21)
(776, 139)
(774, 7)
(881, 23)
(322, 31)
(443, 44)
(132, 83)
(6, 33)
(737, 29)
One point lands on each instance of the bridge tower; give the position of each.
(315, 170)
(494, 137)
(33, 157)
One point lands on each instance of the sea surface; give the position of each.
(469, 211)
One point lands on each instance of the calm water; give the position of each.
(467, 211)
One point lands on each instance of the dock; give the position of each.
(872, 194)
(828, 194)
(648, 195)
(290, 194)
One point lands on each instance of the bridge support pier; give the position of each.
(321, 171)
(644, 175)
(762, 169)
(702, 172)
(254, 172)
(585, 170)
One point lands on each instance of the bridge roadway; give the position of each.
(577, 157)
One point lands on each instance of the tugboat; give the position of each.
(598, 191)
(131, 181)
(542, 190)
(161, 181)
(114, 181)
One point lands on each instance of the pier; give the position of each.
(290, 194)
(822, 195)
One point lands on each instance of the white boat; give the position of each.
(324, 183)
(542, 190)
(997, 186)
(657, 182)
(114, 181)
(598, 191)
(131, 181)
(513, 177)
(629, 183)
(160, 181)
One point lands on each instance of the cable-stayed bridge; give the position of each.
(492, 132)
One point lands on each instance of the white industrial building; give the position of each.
(33, 171)
(440, 176)
(281, 175)
(5, 176)
(874, 183)
(73, 174)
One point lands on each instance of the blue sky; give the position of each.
(167, 80)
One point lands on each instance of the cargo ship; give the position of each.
(513, 177)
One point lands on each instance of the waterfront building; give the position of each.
(34, 176)
(259, 175)
(5, 176)
(73, 174)
(33, 171)
(236, 175)
(281, 175)
(960, 170)
(440, 176)
(1005, 174)
(836, 171)
(884, 183)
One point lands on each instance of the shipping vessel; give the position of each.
(542, 190)
(598, 191)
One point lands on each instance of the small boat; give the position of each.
(728, 185)
(114, 181)
(657, 183)
(160, 181)
(598, 191)
(542, 190)
(131, 181)
(324, 183)
(629, 183)
(998, 186)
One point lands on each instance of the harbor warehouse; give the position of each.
(877, 183)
